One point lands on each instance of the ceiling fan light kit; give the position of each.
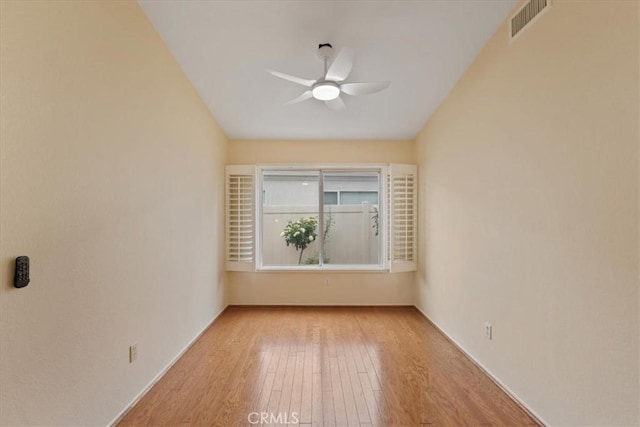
(329, 87)
(325, 91)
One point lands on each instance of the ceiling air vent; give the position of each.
(522, 19)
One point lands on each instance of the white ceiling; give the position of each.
(422, 47)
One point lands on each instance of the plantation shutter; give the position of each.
(402, 207)
(240, 218)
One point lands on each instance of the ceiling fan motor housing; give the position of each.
(325, 51)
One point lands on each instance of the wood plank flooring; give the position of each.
(325, 366)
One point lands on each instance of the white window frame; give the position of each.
(389, 173)
(382, 266)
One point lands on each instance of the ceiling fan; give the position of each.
(329, 87)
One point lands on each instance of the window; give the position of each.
(351, 227)
(330, 197)
(291, 196)
(321, 218)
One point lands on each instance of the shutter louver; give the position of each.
(403, 217)
(240, 218)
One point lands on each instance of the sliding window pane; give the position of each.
(290, 217)
(351, 228)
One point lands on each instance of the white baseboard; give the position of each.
(487, 372)
(306, 304)
(144, 391)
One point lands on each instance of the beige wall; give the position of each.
(529, 213)
(325, 288)
(321, 288)
(111, 182)
(315, 151)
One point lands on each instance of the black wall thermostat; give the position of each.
(21, 275)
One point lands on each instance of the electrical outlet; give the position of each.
(326, 281)
(133, 353)
(488, 331)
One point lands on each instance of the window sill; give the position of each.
(323, 269)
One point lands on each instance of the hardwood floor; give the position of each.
(325, 366)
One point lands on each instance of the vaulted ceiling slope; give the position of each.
(422, 47)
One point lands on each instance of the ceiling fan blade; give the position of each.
(304, 96)
(336, 104)
(341, 66)
(363, 88)
(294, 79)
